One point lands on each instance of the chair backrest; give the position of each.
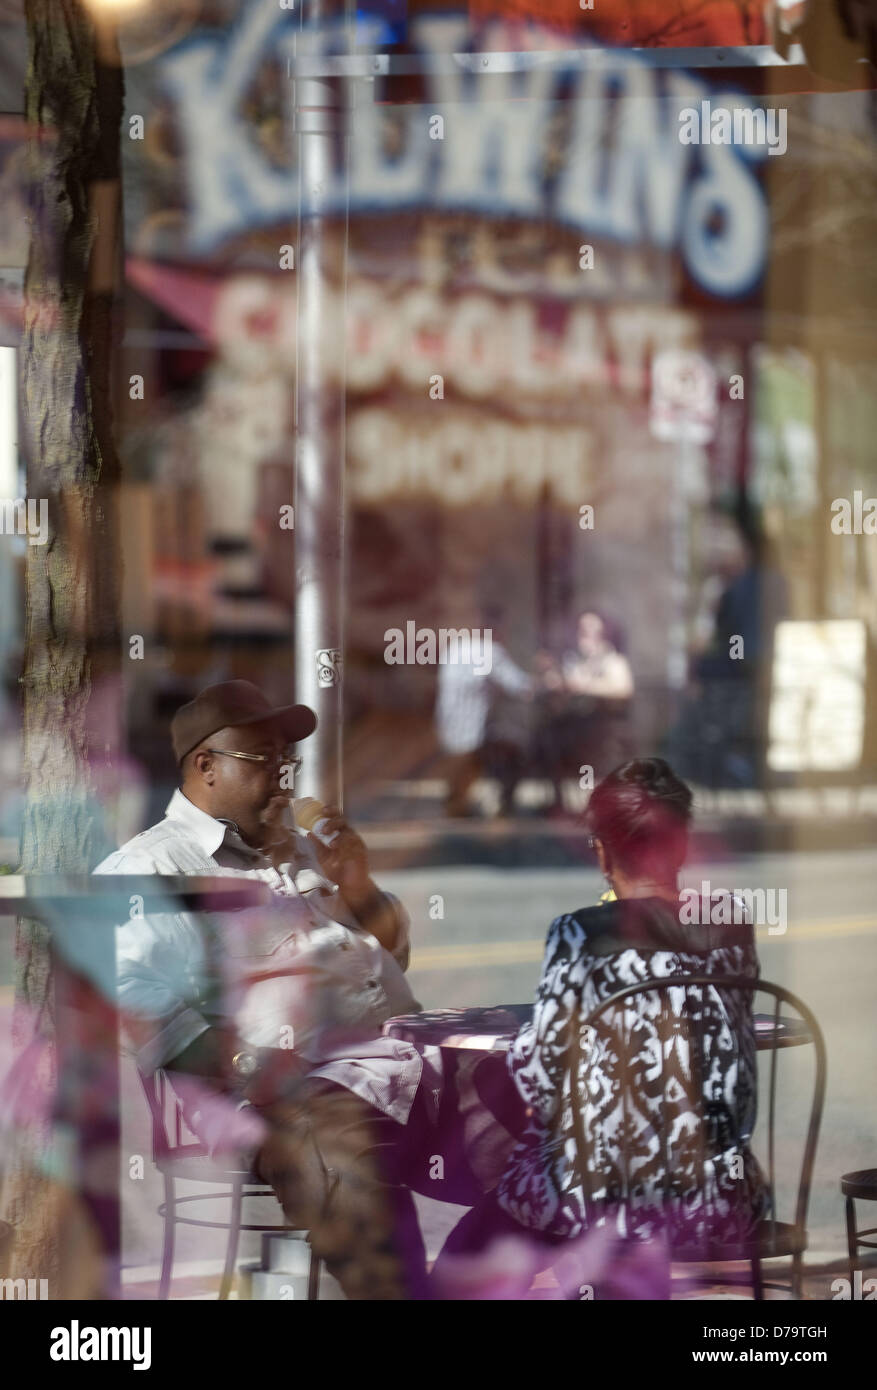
(171, 1136)
(614, 1018)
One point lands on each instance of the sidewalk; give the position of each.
(200, 1281)
(404, 823)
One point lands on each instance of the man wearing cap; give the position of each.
(293, 1029)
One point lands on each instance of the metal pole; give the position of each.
(677, 644)
(320, 405)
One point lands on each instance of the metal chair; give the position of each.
(177, 1157)
(861, 1185)
(774, 1238)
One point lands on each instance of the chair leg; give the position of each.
(797, 1277)
(167, 1247)
(234, 1231)
(313, 1277)
(852, 1237)
(757, 1280)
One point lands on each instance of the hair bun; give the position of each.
(640, 812)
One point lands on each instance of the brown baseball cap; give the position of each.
(230, 704)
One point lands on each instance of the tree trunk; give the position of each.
(73, 107)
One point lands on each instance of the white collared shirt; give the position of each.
(342, 986)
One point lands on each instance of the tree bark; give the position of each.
(73, 107)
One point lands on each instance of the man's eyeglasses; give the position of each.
(273, 759)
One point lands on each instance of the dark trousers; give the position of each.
(336, 1165)
(463, 770)
(345, 1172)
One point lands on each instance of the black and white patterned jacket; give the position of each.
(714, 1187)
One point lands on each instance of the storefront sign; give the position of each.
(621, 173)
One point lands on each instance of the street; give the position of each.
(487, 949)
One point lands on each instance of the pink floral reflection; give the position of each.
(595, 1265)
(27, 1076)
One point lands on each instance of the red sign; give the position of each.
(642, 23)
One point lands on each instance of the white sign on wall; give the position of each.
(684, 402)
(817, 707)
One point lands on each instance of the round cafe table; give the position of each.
(481, 1112)
(479, 1102)
(465, 1030)
(485, 1030)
